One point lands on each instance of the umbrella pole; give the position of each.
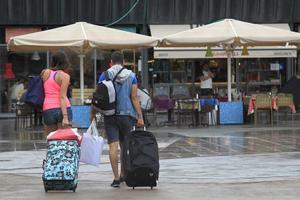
(193, 78)
(229, 75)
(81, 57)
(48, 59)
(95, 67)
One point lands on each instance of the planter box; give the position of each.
(81, 116)
(231, 112)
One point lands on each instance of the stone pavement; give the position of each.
(229, 162)
(223, 177)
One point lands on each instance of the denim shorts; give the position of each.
(54, 116)
(117, 127)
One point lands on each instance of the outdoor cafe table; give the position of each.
(206, 105)
(210, 106)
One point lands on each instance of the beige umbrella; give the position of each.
(80, 37)
(230, 33)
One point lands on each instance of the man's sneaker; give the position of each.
(115, 183)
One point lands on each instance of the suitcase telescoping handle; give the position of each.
(134, 128)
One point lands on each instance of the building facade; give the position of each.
(102, 12)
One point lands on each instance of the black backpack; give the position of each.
(105, 97)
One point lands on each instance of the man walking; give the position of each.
(128, 111)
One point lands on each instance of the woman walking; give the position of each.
(57, 111)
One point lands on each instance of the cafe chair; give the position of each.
(186, 111)
(246, 101)
(284, 103)
(185, 105)
(207, 111)
(263, 103)
(24, 116)
(162, 102)
(161, 89)
(180, 92)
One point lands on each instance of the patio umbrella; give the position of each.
(80, 37)
(229, 34)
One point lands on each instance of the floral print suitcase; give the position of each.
(61, 165)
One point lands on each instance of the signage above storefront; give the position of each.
(15, 31)
(194, 53)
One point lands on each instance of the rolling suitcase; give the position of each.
(61, 165)
(140, 159)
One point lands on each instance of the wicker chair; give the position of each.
(185, 109)
(284, 101)
(246, 100)
(263, 103)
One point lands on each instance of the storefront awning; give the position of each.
(194, 53)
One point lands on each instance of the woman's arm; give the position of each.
(65, 81)
(45, 74)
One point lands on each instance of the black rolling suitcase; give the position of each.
(140, 159)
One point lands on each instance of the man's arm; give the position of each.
(136, 105)
(92, 113)
(210, 75)
(204, 78)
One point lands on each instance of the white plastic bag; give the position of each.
(144, 98)
(91, 146)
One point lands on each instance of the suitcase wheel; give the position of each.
(74, 188)
(151, 187)
(46, 188)
(132, 187)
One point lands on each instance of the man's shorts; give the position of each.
(54, 116)
(117, 127)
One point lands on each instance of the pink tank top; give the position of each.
(52, 93)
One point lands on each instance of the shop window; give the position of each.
(22, 67)
(262, 74)
(2, 36)
(169, 71)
